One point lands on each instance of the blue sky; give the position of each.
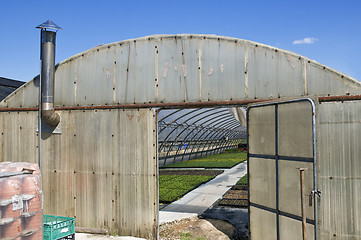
(332, 28)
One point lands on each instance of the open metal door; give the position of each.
(281, 139)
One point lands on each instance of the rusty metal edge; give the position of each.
(182, 104)
(147, 105)
(339, 98)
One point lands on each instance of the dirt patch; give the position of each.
(190, 172)
(195, 228)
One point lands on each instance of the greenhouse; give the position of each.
(121, 110)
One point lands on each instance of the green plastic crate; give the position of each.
(56, 227)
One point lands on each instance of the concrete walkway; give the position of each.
(199, 200)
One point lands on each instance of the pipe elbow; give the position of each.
(49, 115)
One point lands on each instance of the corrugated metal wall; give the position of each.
(340, 170)
(101, 169)
(185, 68)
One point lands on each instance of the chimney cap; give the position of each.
(49, 25)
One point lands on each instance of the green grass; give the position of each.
(187, 236)
(223, 160)
(172, 187)
(243, 180)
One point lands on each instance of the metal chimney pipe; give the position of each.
(47, 78)
(48, 38)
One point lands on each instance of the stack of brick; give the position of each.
(21, 201)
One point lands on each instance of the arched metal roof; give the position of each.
(168, 69)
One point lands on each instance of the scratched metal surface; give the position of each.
(185, 68)
(101, 169)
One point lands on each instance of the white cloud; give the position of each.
(308, 40)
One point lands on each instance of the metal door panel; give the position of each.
(281, 145)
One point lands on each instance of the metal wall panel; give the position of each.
(178, 74)
(187, 68)
(101, 169)
(273, 73)
(340, 174)
(222, 63)
(66, 90)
